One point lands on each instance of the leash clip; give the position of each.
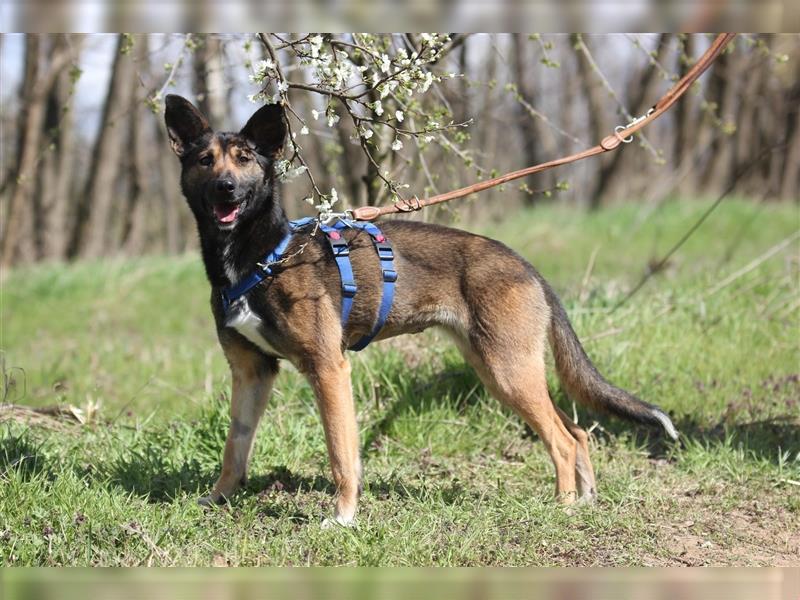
(328, 217)
(620, 128)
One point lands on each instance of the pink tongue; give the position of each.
(226, 213)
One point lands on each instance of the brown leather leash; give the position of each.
(622, 135)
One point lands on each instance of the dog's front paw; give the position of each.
(211, 500)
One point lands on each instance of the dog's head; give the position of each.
(228, 178)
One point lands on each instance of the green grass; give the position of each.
(451, 478)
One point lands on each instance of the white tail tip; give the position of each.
(666, 423)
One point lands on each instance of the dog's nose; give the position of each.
(225, 185)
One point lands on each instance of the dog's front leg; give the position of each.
(331, 382)
(253, 375)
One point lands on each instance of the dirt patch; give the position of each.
(750, 535)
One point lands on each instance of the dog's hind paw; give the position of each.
(338, 521)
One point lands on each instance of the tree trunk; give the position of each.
(91, 232)
(172, 232)
(133, 232)
(209, 81)
(618, 173)
(593, 93)
(790, 181)
(687, 123)
(57, 192)
(534, 134)
(723, 91)
(18, 230)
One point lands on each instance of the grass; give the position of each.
(451, 478)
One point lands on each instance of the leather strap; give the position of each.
(608, 143)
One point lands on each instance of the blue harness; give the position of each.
(341, 253)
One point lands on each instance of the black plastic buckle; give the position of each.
(349, 289)
(385, 251)
(389, 275)
(339, 247)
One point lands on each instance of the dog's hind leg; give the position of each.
(330, 379)
(584, 473)
(253, 374)
(504, 341)
(521, 384)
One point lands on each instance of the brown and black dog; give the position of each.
(497, 308)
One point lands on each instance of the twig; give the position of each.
(754, 263)
(287, 106)
(154, 549)
(663, 261)
(588, 274)
(582, 47)
(174, 69)
(546, 120)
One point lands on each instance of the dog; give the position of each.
(496, 307)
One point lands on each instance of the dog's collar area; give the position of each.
(341, 254)
(265, 268)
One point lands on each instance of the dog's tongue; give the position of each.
(226, 212)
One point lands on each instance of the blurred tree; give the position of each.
(40, 74)
(91, 231)
(377, 117)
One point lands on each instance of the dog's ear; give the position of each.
(266, 130)
(185, 124)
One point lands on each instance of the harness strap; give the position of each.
(341, 254)
(233, 293)
(388, 272)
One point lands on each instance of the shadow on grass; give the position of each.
(764, 439)
(760, 439)
(149, 474)
(457, 385)
(19, 452)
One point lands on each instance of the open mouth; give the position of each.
(226, 212)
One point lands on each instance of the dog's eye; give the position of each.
(244, 159)
(206, 160)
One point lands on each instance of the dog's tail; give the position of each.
(585, 384)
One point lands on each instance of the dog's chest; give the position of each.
(245, 321)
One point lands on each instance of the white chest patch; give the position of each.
(247, 323)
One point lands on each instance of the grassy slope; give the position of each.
(451, 477)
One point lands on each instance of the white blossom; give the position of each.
(264, 65)
(314, 114)
(397, 144)
(366, 133)
(304, 130)
(284, 173)
(377, 107)
(386, 62)
(427, 82)
(315, 43)
(399, 116)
